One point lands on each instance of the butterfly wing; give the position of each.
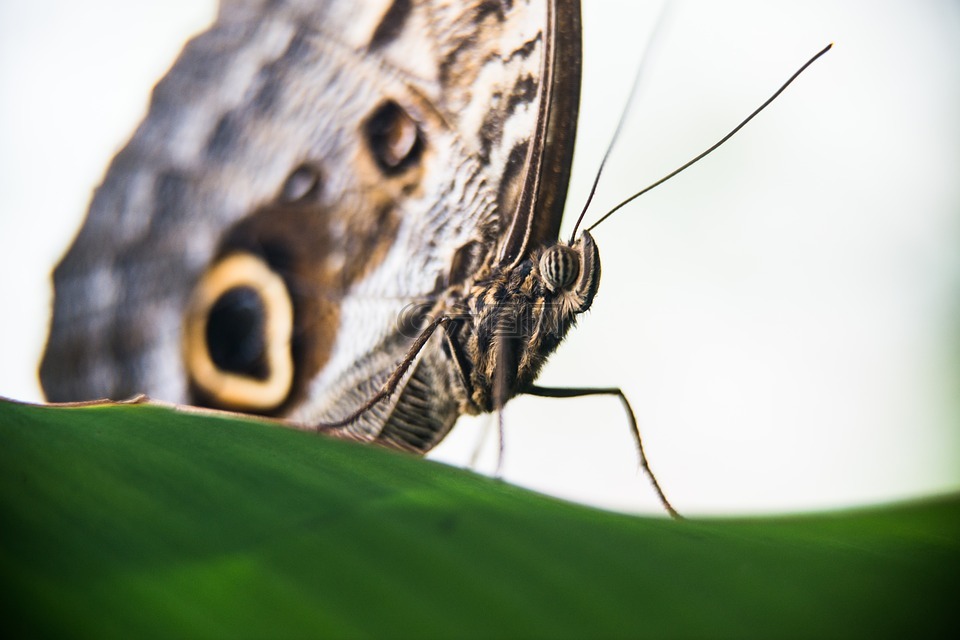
(355, 149)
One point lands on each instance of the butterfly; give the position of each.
(345, 214)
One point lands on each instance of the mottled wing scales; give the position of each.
(275, 87)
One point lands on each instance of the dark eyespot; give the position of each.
(303, 183)
(235, 333)
(237, 337)
(559, 266)
(394, 138)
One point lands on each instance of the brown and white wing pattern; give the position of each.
(306, 171)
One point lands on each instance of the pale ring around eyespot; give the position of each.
(226, 389)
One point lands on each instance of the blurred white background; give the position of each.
(785, 316)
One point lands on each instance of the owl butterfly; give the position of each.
(343, 214)
(323, 190)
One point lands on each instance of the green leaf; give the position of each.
(140, 520)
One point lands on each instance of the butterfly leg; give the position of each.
(506, 357)
(391, 384)
(481, 442)
(563, 392)
(498, 472)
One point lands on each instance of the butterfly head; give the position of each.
(516, 317)
(572, 272)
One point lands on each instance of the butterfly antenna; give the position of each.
(627, 108)
(715, 146)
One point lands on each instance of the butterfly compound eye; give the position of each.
(559, 266)
(394, 138)
(237, 336)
